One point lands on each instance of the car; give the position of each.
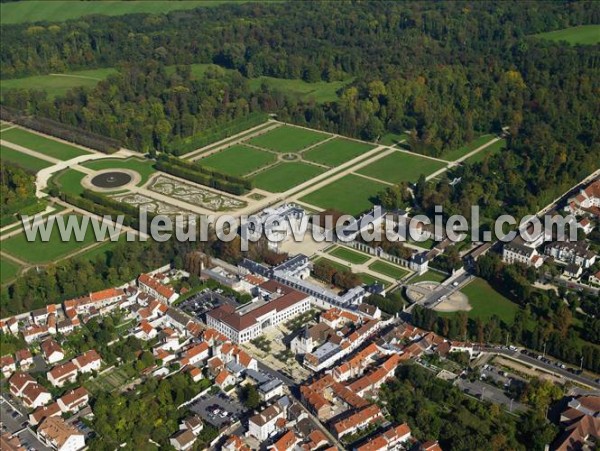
(454, 284)
(14, 414)
(24, 424)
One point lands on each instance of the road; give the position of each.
(14, 424)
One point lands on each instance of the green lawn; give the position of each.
(62, 10)
(23, 160)
(489, 150)
(238, 160)
(69, 181)
(144, 167)
(390, 139)
(429, 276)
(41, 144)
(350, 194)
(284, 176)
(103, 250)
(321, 91)
(368, 279)
(49, 251)
(388, 269)
(583, 34)
(485, 302)
(455, 154)
(8, 270)
(336, 152)
(58, 84)
(349, 255)
(400, 166)
(288, 139)
(365, 278)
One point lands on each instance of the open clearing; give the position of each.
(492, 149)
(284, 176)
(58, 84)
(8, 270)
(23, 160)
(388, 269)
(455, 154)
(144, 167)
(321, 91)
(288, 139)
(40, 251)
(583, 34)
(401, 167)
(238, 160)
(41, 144)
(349, 255)
(336, 152)
(350, 194)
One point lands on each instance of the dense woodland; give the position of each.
(17, 189)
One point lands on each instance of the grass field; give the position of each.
(103, 250)
(430, 276)
(69, 181)
(350, 194)
(144, 167)
(284, 176)
(62, 10)
(390, 139)
(321, 91)
(336, 152)
(583, 34)
(489, 150)
(455, 154)
(8, 270)
(388, 269)
(399, 166)
(365, 278)
(23, 160)
(238, 160)
(41, 144)
(288, 139)
(370, 280)
(349, 255)
(58, 84)
(43, 252)
(486, 302)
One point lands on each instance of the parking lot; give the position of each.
(218, 410)
(204, 302)
(15, 422)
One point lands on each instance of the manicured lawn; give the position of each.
(336, 152)
(284, 176)
(583, 34)
(399, 167)
(393, 138)
(489, 150)
(429, 276)
(485, 302)
(103, 250)
(23, 160)
(350, 194)
(42, 252)
(144, 167)
(288, 139)
(61, 10)
(365, 278)
(455, 154)
(321, 91)
(388, 269)
(8, 270)
(58, 84)
(349, 255)
(40, 144)
(5, 125)
(336, 265)
(238, 160)
(370, 280)
(70, 181)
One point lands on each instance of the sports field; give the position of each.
(492, 149)
(285, 176)
(8, 270)
(69, 181)
(23, 160)
(583, 34)
(388, 269)
(401, 167)
(238, 160)
(349, 255)
(336, 151)
(39, 251)
(144, 167)
(58, 84)
(41, 144)
(321, 91)
(288, 139)
(455, 154)
(350, 194)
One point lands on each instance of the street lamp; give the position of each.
(544, 353)
(581, 363)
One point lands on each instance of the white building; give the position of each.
(59, 435)
(276, 224)
(263, 424)
(576, 252)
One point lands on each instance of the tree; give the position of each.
(249, 396)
